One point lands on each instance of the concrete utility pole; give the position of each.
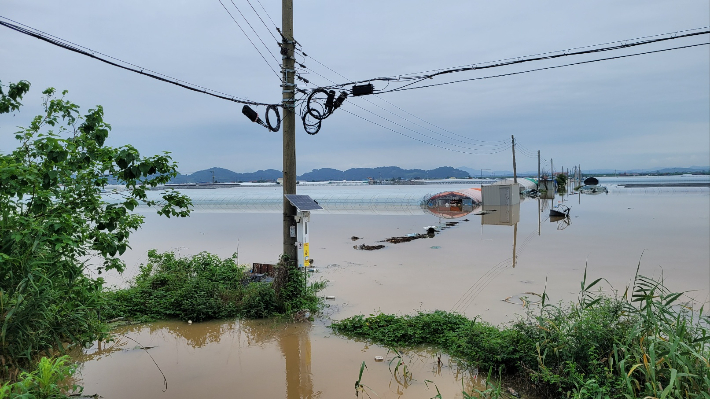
(515, 171)
(288, 89)
(538, 168)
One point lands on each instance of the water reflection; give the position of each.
(501, 215)
(246, 339)
(296, 349)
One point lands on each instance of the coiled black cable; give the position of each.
(278, 118)
(313, 101)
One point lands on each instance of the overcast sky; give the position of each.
(649, 111)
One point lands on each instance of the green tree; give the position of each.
(54, 221)
(561, 181)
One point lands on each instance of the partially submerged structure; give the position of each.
(501, 193)
(453, 204)
(591, 186)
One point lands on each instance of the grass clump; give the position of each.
(198, 288)
(640, 344)
(477, 342)
(50, 380)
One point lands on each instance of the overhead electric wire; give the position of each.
(545, 68)
(570, 49)
(267, 14)
(408, 113)
(538, 57)
(254, 30)
(262, 21)
(250, 41)
(65, 44)
(413, 138)
(525, 151)
(496, 149)
(496, 146)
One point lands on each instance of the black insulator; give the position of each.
(341, 98)
(251, 114)
(329, 101)
(362, 90)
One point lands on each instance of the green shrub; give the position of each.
(203, 287)
(50, 380)
(197, 288)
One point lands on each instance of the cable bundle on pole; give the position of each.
(319, 105)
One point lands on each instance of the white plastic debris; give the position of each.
(379, 358)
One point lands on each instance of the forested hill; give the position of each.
(382, 173)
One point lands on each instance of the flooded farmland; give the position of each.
(485, 265)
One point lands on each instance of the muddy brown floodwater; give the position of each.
(471, 268)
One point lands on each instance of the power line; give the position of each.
(543, 69)
(248, 38)
(262, 21)
(416, 139)
(409, 113)
(538, 57)
(495, 150)
(254, 30)
(587, 50)
(496, 145)
(570, 49)
(525, 151)
(267, 14)
(27, 30)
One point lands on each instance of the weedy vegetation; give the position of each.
(49, 380)
(204, 287)
(53, 218)
(641, 344)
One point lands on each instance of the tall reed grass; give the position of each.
(643, 343)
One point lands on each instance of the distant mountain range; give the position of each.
(646, 171)
(382, 173)
(391, 172)
(489, 173)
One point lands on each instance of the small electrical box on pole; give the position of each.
(361, 90)
(304, 205)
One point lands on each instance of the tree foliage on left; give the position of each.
(54, 220)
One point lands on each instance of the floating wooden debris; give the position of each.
(365, 247)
